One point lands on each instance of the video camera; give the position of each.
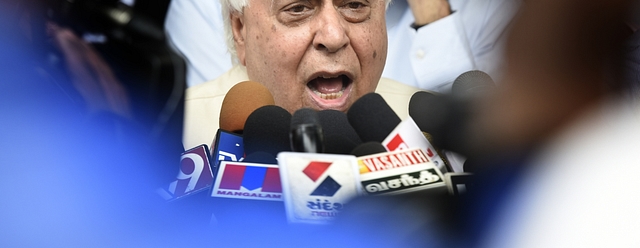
(130, 36)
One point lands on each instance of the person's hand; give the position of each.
(90, 74)
(428, 11)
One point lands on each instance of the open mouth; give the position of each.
(329, 87)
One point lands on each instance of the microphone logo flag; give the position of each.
(227, 147)
(396, 143)
(248, 181)
(328, 187)
(390, 160)
(316, 186)
(194, 175)
(407, 135)
(398, 172)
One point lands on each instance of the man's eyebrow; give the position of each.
(273, 2)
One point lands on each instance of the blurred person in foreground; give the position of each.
(317, 54)
(561, 136)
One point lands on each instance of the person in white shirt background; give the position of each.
(434, 41)
(448, 39)
(195, 29)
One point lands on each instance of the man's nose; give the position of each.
(330, 32)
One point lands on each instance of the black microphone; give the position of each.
(447, 117)
(442, 116)
(267, 130)
(472, 83)
(306, 133)
(469, 87)
(429, 111)
(372, 118)
(339, 135)
(368, 148)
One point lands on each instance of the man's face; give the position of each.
(322, 54)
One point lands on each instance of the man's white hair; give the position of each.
(230, 6)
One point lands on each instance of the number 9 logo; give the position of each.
(191, 166)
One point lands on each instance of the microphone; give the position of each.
(472, 83)
(195, 174)
(306, 133)
(316, 186)
(431, 114)
(241, 100)
(446, 117)
(458, 183)
(368, 148)
(339, 135)
(248, 180)
(227, 146)
(372, 118)
(267, 130)
(248, 195)
(399, 172)
(188, 194)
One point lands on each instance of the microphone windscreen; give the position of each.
(339, 135)
(241, 100)
(306, 134)
(372, 118)
(442, 116)
(472, 83)
(368, 148)
(304, 116)
(267, 130)
(429, 111)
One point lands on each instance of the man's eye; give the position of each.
(355, 5)
(297, 9)
(295, 13)
(356, 11)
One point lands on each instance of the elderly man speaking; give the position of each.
(321, 54)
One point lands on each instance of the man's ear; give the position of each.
(239, 32)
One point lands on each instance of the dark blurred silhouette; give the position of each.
(564, 110)
(80, 164)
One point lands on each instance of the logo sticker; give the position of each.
(194, 175)
(317, 186)
(328, 187)
(248, 181)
